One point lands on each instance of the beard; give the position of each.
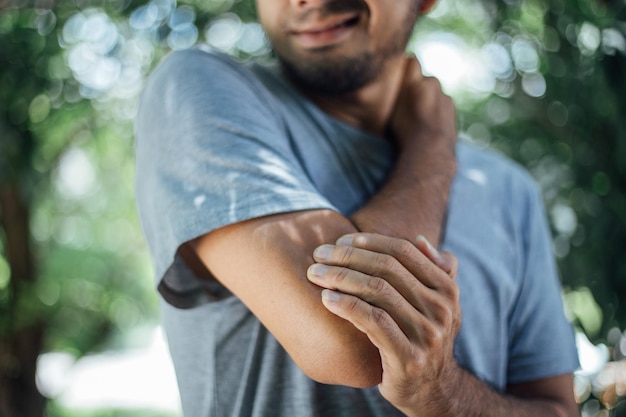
(332, 77)
(336, 75)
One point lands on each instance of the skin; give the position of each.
(377, 308)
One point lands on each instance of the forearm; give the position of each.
(468, 396)
(413, 200)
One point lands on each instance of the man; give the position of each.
(282, 205)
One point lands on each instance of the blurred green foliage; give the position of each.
(551, 97)
(56, 410)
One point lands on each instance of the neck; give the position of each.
(370, 107)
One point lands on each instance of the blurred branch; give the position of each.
(19, 345)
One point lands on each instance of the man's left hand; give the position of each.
(404, 297)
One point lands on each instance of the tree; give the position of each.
(61, 287)
(21, 332)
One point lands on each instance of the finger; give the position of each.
(382, 265)
(413, 69)
(363, 259)
(453, 262)
(422, 283)
(376, 323)
(373, 290)
(445, 262)
(414, 74)
(403, 361)
(402, 251)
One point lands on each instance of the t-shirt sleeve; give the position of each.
(211, 151)
(541, 340)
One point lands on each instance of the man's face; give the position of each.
(336, 46)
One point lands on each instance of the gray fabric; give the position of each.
(219, 142)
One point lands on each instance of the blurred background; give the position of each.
(539, 80)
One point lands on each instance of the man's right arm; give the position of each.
(277, 250)
(414, 199)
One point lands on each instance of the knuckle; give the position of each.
(414, 287)
(435, 335)
(377, 286)
(352, 304)
(455, 323)
(387, 263)
(361, 240)
(379, 317)
(442, 313)
(403, 249)
(345, 255)
(450, 290)
(448, 320)
(340, 275)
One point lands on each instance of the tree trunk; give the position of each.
(19, 345)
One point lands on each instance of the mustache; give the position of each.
(333, 7)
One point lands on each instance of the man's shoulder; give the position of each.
(200, 57)
(204, 83)
(203, 70)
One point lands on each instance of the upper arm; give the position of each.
(210, 153)
(263, 262)
(558, 390)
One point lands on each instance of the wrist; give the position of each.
(424, 140)
(434, 399)
(436, 171)
(427, 159)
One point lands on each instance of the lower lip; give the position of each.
(324, 38)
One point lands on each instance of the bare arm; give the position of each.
(414, 199)
(264, 261)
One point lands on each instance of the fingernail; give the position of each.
(318, 270)
(330, 295)
(345, 240)
(431, 248)
(323, 252)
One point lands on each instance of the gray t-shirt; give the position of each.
(219, 142)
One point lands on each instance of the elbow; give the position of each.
(365, 376)
(355, 364)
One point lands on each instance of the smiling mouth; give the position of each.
(323, 36)
(344, 24)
